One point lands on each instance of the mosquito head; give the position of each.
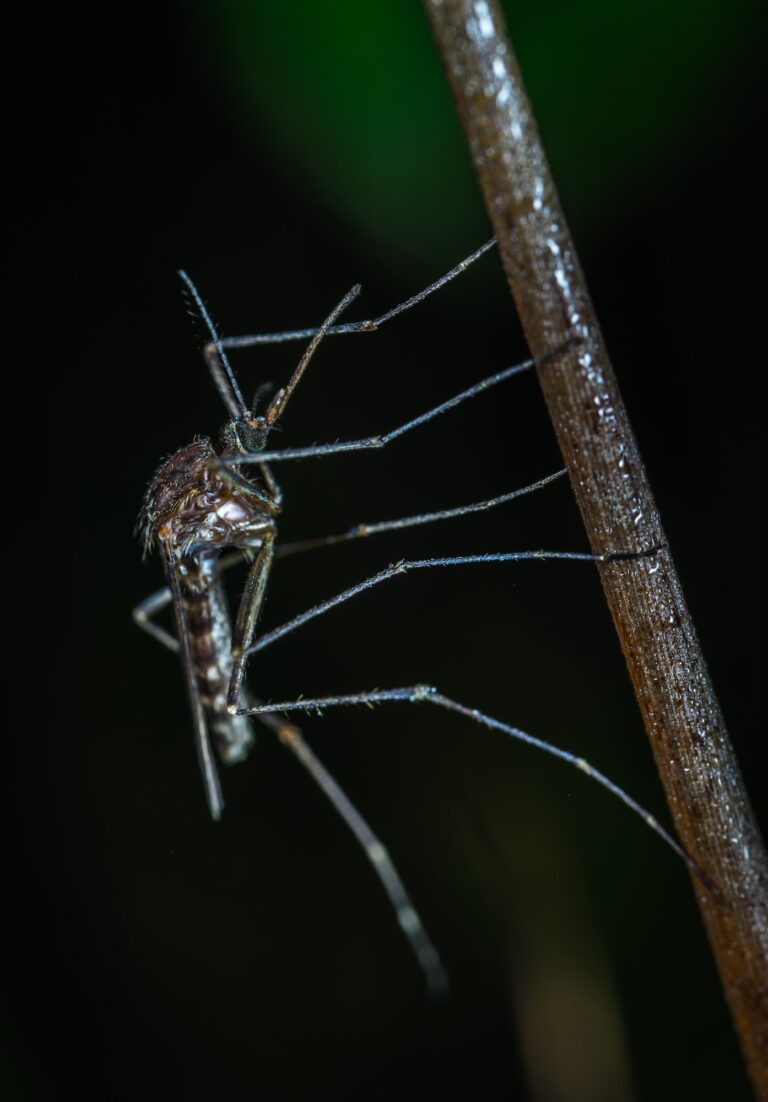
(246, 434)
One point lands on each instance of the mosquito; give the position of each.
(205, 510)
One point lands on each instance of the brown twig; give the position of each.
(693, 754)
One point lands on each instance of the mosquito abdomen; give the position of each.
(210, 640)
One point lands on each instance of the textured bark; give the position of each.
(693, 754)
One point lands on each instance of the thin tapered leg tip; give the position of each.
(216, 807)
(438, 987)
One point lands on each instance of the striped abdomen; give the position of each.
(209, 631)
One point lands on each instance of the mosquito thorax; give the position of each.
(246, 434)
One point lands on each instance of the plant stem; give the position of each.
(693, 754)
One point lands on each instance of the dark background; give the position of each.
(156, 954)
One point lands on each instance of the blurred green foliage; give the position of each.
(351, 98)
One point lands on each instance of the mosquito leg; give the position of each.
(267, 501)
(369, 442)
(350, 327)
(145, 611)
(405, 566)
(359, 531)
(415, 694)
(248, 613)
(272, 484)
(407, 916)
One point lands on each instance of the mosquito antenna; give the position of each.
(262, 391)
(219, 366)
(280, 400)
